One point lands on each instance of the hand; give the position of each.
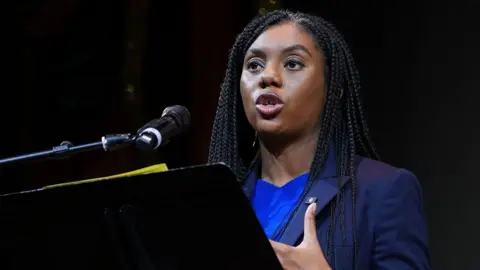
(306, 256)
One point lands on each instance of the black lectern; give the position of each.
(187, 218)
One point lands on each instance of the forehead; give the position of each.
(280, 36)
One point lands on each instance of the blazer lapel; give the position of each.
(322, 192)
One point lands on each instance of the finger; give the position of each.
(310, 230)
(280, 248)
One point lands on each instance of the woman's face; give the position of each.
(282, 83)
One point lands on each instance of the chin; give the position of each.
(269, 127)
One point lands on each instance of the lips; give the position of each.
(269, 105)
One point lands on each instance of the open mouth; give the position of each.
(268, 99)
(269, 105)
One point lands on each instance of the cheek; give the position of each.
(246, 90)
(306, 99)
(316, 105)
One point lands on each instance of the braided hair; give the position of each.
(342, 119)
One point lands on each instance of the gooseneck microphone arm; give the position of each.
(174, 121)
(107, 143)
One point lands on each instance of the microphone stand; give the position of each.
(107, 143)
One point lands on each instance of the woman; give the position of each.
(321, 205)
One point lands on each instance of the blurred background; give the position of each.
(80, 69)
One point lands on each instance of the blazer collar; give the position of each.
(323, 191)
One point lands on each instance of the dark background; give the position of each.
(77, 70)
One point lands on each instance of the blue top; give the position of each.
(273, 204)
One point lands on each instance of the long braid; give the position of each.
(342, 120)
(354, 116)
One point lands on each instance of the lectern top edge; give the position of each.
(219, 165)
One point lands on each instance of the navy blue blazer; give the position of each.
(391, 229)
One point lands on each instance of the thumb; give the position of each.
(310, 230)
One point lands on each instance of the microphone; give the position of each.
(174, 121)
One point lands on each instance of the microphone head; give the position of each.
(180, 113)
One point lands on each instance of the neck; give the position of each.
(282, 162)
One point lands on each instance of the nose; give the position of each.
(270, 77)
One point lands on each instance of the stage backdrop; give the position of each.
(77, 70)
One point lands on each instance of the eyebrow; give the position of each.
(296, 47)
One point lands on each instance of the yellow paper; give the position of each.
(150, 169)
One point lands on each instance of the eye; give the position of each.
(294, 65)
(254, 65)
